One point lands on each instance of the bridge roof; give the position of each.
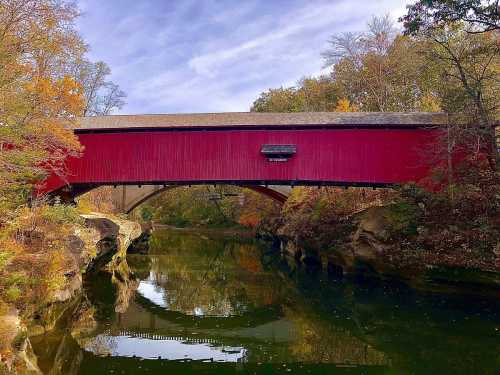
(262, 120)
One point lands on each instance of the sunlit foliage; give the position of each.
(310, 95)
(97, 200)
(45, 83)
(39, 101)
(44, 86)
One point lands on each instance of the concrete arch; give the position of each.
(128, 197)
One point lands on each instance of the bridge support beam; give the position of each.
(126, 197)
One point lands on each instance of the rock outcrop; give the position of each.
(365, 250)
(15, 346)
(100, 245)
(382, 242)
(373, 252)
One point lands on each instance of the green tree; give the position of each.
(277, 100)
(480, 15)
(195, 206)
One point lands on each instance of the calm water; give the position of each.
(199, 303)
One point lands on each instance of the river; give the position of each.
(206, 303)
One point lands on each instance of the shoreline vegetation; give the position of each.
(405, 235)
(408, 234)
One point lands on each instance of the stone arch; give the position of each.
(128, 197)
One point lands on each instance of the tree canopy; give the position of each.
(101, 95)
(376, 70)
(480, 15)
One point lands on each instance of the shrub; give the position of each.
(403, 218)
(60, 214)
(146, 213)
(12, 294)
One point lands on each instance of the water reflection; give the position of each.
(210, 300)
(174, 348)
(206, 277)
(152, 292)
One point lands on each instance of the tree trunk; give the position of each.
(489, 132)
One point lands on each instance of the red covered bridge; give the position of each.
(251, 149)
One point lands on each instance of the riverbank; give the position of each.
(411, 236)
(85, 245)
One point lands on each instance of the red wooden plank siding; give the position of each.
(323, 155)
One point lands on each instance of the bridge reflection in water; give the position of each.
(129, 344)
(205, 305)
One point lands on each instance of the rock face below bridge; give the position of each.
(374, 251)
(101, 244)
(375, 248)
(115, 234)
(369, 242)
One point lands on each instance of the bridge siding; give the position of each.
(340, 155)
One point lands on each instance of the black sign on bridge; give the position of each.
(278, 152)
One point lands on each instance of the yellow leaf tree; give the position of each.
(344, 105)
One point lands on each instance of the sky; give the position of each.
(187, 56)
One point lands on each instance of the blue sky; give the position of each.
(173, 56)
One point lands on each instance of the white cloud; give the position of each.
(210, 58)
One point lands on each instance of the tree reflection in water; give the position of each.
(207, 277)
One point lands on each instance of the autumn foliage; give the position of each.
(33, 256)
(39, 99)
